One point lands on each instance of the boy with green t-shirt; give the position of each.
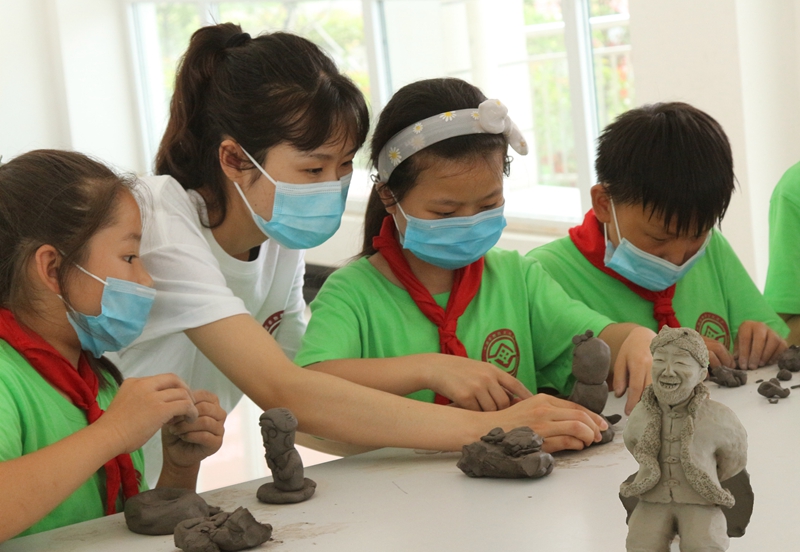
(648, 252)
(783, 277)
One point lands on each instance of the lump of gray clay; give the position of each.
(158, 511)
(728, 377)
(591, 361)
(515, 454)
(772, 388)
(278, 426)
(790, 359)
(784, 374)
(223, 531)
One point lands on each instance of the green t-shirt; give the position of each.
(34, 415)
(520, 320)
(714, 297)
(783, 277)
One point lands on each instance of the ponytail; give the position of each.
(275, 88)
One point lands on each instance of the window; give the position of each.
(562, 66)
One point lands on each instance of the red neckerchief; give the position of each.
(466, 282)
(80, 386)
(589, 239)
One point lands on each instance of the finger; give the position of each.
(620, 376)
(780, 347)
(202, 439)
(724, 357)
(202, 424)
(513, 385)
(561, 404)
(562, 442)
(771, 344)
(635, 391)
(178, 402)
(211, 410)
(467, 403)
(573, 428)
(486, 401)
(757, 346)
(201, 395)
(744, 341)
(499, 397)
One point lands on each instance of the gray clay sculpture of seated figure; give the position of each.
(278, 427)
(685, 444)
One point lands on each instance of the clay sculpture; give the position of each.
(278, 427)
(784, 374)
(591, 360)
(772, 388)
(158, 511)
(790, 359)
(728, 377)
(515, 454)
(223, 531)
(685, 444)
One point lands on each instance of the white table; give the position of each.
(400, 500)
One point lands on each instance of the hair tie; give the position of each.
(490, 117)
(237, 40)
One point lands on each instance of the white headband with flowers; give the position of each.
(490, 117)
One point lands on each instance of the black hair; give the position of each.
(671, 158)
(412, 103)
(58, 198)
(260, 92)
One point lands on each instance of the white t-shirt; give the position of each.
(198, 283)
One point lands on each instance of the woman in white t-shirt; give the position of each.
(256, 161)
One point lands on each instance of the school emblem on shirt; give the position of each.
(501, 349)
(271, 324)
(714, 327)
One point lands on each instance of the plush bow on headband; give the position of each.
(490, 117)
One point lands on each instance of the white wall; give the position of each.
(738, 60)
(66, 80)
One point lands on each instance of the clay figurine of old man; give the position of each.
(685, 445)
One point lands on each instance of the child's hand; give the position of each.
(475, 385)
(143, 405)
(718, 354)
(187, 442)
(562, 424)
(757, 345)
(632, 369)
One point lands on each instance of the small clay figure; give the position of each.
(278, 427)
(790, 359)
(784, 374)
(514, 454)
(728, 377)
(158, 511)
(685, 444)
(772, 388)
(223, 531)
(591, 361)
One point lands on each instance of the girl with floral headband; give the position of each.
(429, 280)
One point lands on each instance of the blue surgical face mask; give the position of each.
(303, 215)
(454, 242)
(124, 306)
(642, 268)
